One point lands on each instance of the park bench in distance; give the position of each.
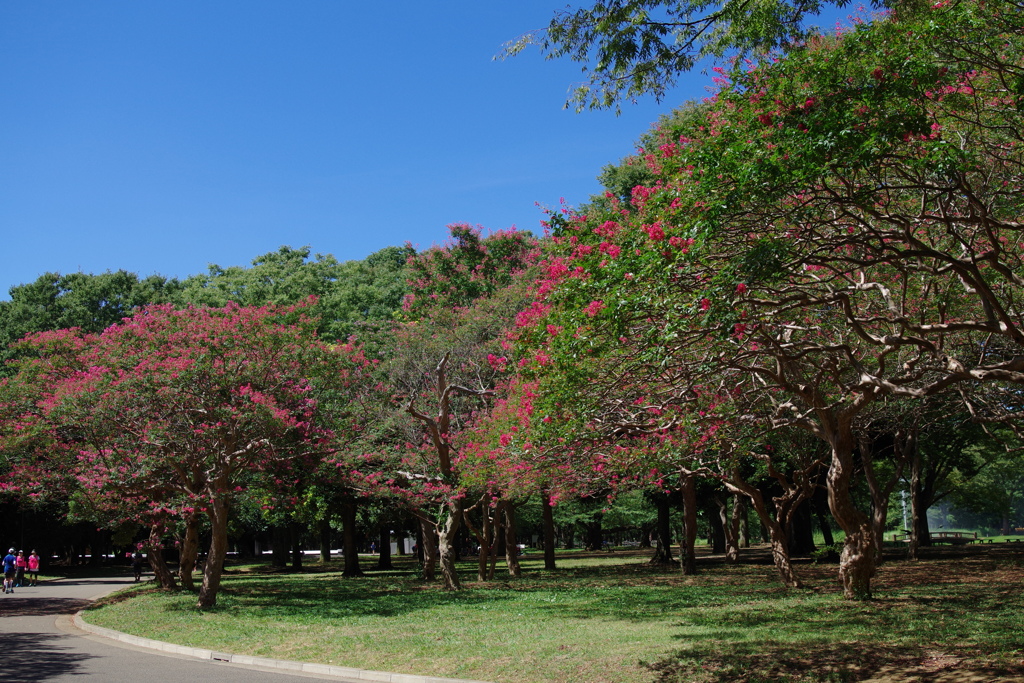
(951, 537)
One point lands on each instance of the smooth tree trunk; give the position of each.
(663, 546)
(350, 549)
(295, 534)
(905, 443)
(730, 527)
(485, 541)
(447, 537)
(325, 538)
(733, 526)
(780, 552)
(716, 533)
(511, 543)
(857, 561)
(384, 548)
(428, 549)
(688, 541)
(155, 555)
(548, 517)
(189, 552)
(499, 530)
(213, 569)
(743, 524)
(775, 526)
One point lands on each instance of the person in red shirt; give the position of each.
(20, 565)
(33, 569)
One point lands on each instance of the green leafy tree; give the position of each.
(470, 266)
(631, 48)
(88, 302)
(445, 361)
(351, 296)
(996, 492)
(280, 277)
(834, 228)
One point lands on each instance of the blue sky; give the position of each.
(160, 137)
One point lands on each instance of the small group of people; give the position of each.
(19, 570)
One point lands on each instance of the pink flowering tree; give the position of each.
(833, 228)
(445, 365)
(177, 412)
(472, 265)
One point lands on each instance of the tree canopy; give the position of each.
(348, 294)
(631, 48)
(178, 411)
(830, 229)
(807, 285)
(88, 302)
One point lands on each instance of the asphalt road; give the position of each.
(38, 642)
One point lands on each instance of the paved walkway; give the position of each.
(40, 641)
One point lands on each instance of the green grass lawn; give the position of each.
(610, 617)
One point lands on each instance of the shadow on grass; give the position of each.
(958, 617)
(635, 593)
(732, 598)
(825, 661)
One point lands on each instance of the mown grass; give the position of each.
(611, 618)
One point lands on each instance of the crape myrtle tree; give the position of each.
(498, 459)
(777, 472)
(831, 228)
(920, 443)
(353, 299)
(606, 417)
(179, 411)
(586, 427)
(889, 437)
(90, 302)
(442, 366)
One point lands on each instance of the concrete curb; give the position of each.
(262, 662)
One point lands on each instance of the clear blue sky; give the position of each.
(160, 137)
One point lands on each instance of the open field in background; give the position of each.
(611, 618)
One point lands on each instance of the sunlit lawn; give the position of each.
(611, 618)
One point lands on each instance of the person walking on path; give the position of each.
(137, 564)
(10, 563)
(33, 569)
(20, 565)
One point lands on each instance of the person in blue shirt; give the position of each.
(10, 568)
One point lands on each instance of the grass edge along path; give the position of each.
(610, 618)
